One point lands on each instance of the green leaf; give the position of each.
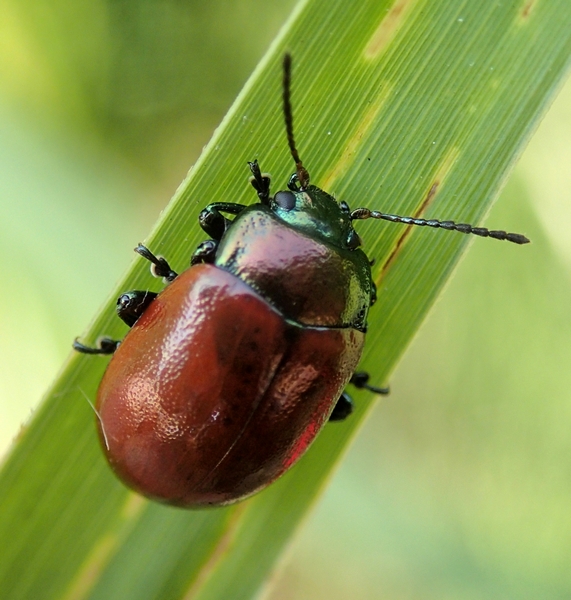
(404, 107)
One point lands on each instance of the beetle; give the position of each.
(227, 375)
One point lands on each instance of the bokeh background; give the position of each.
(459, 485)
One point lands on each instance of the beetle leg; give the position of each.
(343, 408)
(160, 267)
(105, 345)
(204, 253)
(373, 293)
(131, 305)
(214, 222)
(359, 323)
(360, 381)
(260, 182)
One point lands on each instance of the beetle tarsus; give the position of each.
(105, 345)
(159, 265)
(343, 408)
(260, 182)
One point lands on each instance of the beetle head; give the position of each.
(317, 214)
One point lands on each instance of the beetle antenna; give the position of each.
(365, 213)
(301, 171)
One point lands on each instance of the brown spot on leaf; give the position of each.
(357, 138)
(401, 240)
(387, 28)
(440, 176)
(528, 7)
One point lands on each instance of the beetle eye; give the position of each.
(285, 200)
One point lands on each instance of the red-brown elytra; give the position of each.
(228, 374)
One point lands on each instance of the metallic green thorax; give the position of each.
(304, 259)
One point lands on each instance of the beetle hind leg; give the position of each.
(130, 306)
(360, 380)
(105, 345)
(343, 408)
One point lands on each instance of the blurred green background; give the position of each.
(459, 485)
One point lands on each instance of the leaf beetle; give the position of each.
(227, 375)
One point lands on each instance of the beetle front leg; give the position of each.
(105, 345)
(260, 182)
(215, 225)
(214, 222)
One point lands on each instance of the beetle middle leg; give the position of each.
(160, 267)
(344, 406)
(131, 305)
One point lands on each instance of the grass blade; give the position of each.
(391, 100)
